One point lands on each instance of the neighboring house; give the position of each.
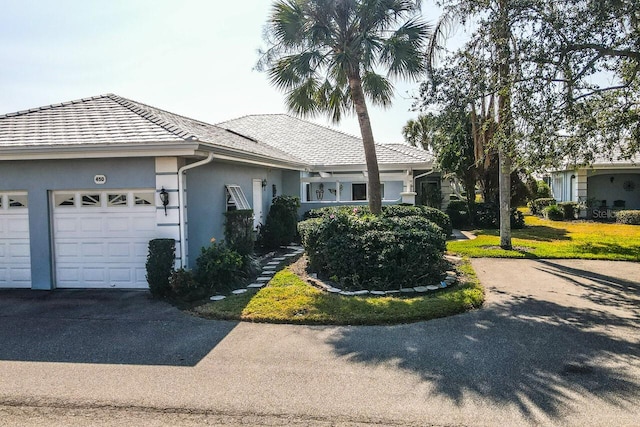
(601, 188)
(82, 184)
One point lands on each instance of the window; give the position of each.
(65, 199)
(143, 199)
(17, 201)
(117, 200)
(358, 191)
(236, 198)
(90, 200)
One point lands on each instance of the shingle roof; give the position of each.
(111, 119)
(319, 145)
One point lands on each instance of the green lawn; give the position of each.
(288, 299)
(557, 239)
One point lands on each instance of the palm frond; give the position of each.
(377, 88)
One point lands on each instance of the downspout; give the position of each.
(182, 220)
(415, 178)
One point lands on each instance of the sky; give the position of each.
(191, 57)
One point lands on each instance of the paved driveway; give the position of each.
(556, 344)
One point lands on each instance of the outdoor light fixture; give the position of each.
(611, 179)
(164, 198)
(264, 183)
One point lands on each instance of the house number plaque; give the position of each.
(100, 179)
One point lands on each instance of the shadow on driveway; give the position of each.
(536, 354)
(102, 326)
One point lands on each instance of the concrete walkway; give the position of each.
(556, 344)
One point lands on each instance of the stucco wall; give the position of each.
(206, 199)
(39, 177)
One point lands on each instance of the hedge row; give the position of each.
(631, 217)
(486, 215)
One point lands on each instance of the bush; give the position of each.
(281, 224)
(159, 266)
(374, 252)
(543, 191)
(569, 210)
(537, 206)
(553, 212)
(238, 231)
(458, 212)
(631, 217)
(219, 268)
(185, 287)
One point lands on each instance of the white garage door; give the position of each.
(101, 238)
(15, 260)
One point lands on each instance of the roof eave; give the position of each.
(363, 167)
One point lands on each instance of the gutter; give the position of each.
(182, 220)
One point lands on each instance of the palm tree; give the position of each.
(327, 56)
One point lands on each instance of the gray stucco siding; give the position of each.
(39, 177)
(206, 199)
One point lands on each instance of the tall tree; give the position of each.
(327, 56)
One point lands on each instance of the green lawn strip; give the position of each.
(288, 299)
(557, 239)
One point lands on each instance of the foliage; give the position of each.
(553, 212)
(631, 217)
(326, 56)
(458, 211)
(219, 268)
(288, 299)
(280, 226)
(184, 286)
(159, 265)
(434, 215)
(374, 252)
(569, 210)
(238, 231)
(537, 206)
(549, 239)
(543, 191)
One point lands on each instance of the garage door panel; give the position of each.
(15, 257)
(103, 247)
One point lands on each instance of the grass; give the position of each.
(289, 299)
(557, 239)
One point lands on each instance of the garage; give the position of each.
(101, 237)
(15, 259)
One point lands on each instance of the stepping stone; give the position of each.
(363, 292)
(451, 278)
(273, 263)
(217, 298)
(268, 272)
(334, 290)
(451, 273)
(239, 291)
(263, 279)
(432, 288)
(290, 255)
(278, 259)
(269, 267)
(420, 289)
(257, 285)
(407, 290)
(378, 293)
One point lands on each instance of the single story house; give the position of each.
(601, 188)
(84, 185)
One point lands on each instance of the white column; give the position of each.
(168, 225)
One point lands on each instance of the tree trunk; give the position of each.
(375, 193)
(504, 124)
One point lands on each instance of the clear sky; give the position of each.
(191, 57)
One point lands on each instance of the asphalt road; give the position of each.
(557, 343)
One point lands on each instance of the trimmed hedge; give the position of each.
(631, 217)
(569, 210)
(537, 206)
(553, 212)
(238, 230)
(374, 252)
(281, 225)
(458, 211)
(219, 268)
(434, 215)
(159, 266)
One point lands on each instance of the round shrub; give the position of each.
(219, 268)
(631, 217)
(569, 210)
(185, 287)
(554, 213)
(434, 215)
(537, 206)
(369, 252)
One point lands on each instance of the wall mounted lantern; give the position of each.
(164, 198)
(264, 183)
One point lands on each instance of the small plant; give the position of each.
(631, 217)
(238, 231)
(281, 224)
(537, 206)
(569, 209)
(185, 287)
(219, 268)
(543, 191)
(159, 266)
(553, 213)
